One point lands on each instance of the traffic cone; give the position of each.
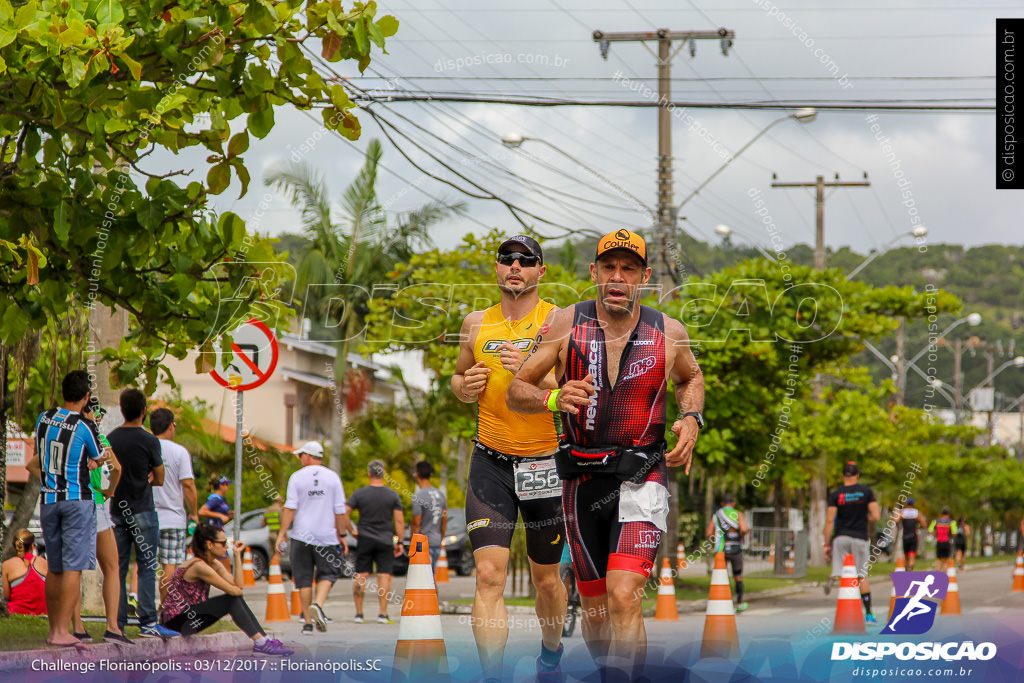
(951, 605)
(248, 576)
(420, 650)
(849, 608)
(680, 557)
(666, 610)
(900, 567)
(771, 557)
(1018, 575)
(441, 575)
(296, 601)
(791, 561)
(277, 606)
(720, 637)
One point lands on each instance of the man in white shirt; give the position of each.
(175, 500)
(316, 505)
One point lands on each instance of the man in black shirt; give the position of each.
(850, 508)
(133, 512)
(911, 520)
(379, 507)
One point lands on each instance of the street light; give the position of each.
(918, 232)
(725, 231)
(515, 141)
(1016, 361)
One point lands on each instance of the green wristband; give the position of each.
(553, 400)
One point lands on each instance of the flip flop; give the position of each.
(78, 644)
(82, 636)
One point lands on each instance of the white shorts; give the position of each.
(845, 545)
(103, 521)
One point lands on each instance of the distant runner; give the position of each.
(944, 529)
(960, 541)
(728, 528)
(911, 520)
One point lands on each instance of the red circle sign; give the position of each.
(253, 359)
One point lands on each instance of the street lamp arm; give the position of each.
(1018, 361)
(875, 255)
(881, 356)
(949, 329)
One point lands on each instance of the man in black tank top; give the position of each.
(612, 358)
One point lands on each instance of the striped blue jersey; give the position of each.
(63, 442)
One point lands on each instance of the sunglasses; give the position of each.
(223, 542)
(525, 260)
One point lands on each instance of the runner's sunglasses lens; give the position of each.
(525, 260)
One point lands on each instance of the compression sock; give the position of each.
(866, 599)
(739, 590)
(549, 659)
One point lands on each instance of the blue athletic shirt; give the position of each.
(62, 438)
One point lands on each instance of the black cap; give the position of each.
(850, 469)
(522, 243)
(728, 499)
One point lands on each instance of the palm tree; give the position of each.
(356, 246)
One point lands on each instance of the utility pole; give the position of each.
(664, 262)
(819, 482)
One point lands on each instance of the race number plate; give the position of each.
(537, 478)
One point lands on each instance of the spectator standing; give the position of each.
(381, 526)
(217, 511)
(272, 520)
(176, 500)
(67, 449)
(136, 524)
(429, 511)
(316, 506)
(24, 577)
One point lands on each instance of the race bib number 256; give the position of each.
(537, 478)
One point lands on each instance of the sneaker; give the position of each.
(359, 619)
(316, 613)
(384, 619)
(828, 585)
(742, 607)
(157, 631)
(272, 647)
(133, 605)
(870, 619)
(307, 629)
(83, 636)
(116, 638)
(328, 619)
(545, 675)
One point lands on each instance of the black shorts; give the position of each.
(960, 544)
(370, 552)
(598, 540)
(910, 546)
(493, 507)
(314, 563)
(942, 551)
(736, 561)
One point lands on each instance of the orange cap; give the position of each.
(625, 240)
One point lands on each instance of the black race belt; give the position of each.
(628, 463)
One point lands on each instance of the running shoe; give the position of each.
(316, 612)
(307, 629)
(359, 619)
(870, 619)
(742, 607)
(545, 675)
(828, 585)
(384, 619)
(272, 646)
(116, 638)
(157, 631)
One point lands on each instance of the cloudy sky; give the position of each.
(912, 53)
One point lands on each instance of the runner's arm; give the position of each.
(470, 377)
(287, 515)
(744, 529)
(711, 528)
(874, 512)
(689, 389)
(34, 469)
(525, 394)
(830, 520)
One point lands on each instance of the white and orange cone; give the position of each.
(296, 600)
(720, 636)
(666, 609)
(951, 605)
(1018, 575)
(900, 567)
(791, 561)
(420, 649)
(680, 557)
(441, 575)
(248, 576)
(849, 608)
(277, 606)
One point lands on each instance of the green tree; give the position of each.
(350, 256)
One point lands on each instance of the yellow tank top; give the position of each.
(497, 426)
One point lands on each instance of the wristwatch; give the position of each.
(696, 416)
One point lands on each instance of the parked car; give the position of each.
(255, 535)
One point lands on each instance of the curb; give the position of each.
(145, 649)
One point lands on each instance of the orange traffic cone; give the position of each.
(296, 601)
(420, 649)
(900, 567)
(771, 557)
(667, 610)
(720, 637)
(680, 557)
(441, 575)
(849, 609)
(951, 605)
(248, 576)
(277, 606)
(791, 561)
(1018, 575)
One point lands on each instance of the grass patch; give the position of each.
(20, 632)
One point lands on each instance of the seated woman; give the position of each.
(189, 608)
(24, 577)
